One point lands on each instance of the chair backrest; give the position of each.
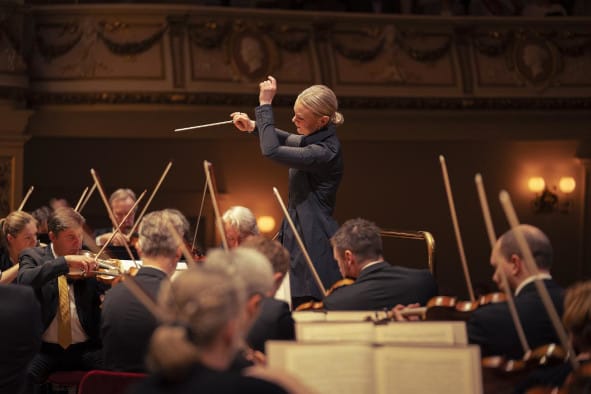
(421, 235)
(97, 382)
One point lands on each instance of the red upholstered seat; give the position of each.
(100, 382)
(66, 380)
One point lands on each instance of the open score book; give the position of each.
(357, 368)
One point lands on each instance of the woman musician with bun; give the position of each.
(18, 231)
(315, 162)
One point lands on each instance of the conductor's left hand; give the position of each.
(267, 90)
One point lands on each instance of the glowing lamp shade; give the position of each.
(266, 224)
(567, 184)
(536, 184)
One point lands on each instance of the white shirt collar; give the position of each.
(371, 263)
(527, 281)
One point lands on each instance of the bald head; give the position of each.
(537, 241)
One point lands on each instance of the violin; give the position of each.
(318, 305)
(449, 308)
(108, 271)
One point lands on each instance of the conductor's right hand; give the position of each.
(242, 121)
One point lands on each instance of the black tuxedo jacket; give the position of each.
(274, 322)
(20, 335)
(383, 286)
(39, 269)
(127, 325)
(492, 328)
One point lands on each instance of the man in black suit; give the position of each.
(70, 337)
(121, 202)
(126, 324)
(20, 335)
(274, 320)
(357, 247)
(491, 326)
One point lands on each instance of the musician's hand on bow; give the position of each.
(80, 265)
(242, 121)
(397, 312)
(267, 90)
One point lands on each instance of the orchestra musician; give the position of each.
(491, 326)
(274, 320)
(315, 162)
(193, 354)
(126, 325)
(254, 269)
(577, 322)
(18, 231)
(70, 310)
(357, 247)
(121, 202)
(239, 224)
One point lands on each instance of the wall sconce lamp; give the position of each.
(547, 201)
(266, 224)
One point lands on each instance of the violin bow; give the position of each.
(490, 230)
(181, 243)
(97, 182)
(300, 242)
(118, 228)
(26, 198)
(139, 218)
(92, 189)
(199, 215)
(541, 287)
(81, 199)
(208, 167)
(454, 218)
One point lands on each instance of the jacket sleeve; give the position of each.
(36, 269)
(283, 147)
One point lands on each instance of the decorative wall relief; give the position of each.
(88, 48)
(533, 58)
(395, 56)
(252, 54)
(248, 52)
(536, 61)
(11, 60)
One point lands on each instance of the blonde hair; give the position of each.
(322, 101)
(202, 302)
(251, 266)
(13, 224)
(155, 238)
(577, 314)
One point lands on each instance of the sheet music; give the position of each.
(441, 370)
(335, 331)
(328, 369)
(450, 333)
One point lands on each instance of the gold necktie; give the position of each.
(64, 323)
